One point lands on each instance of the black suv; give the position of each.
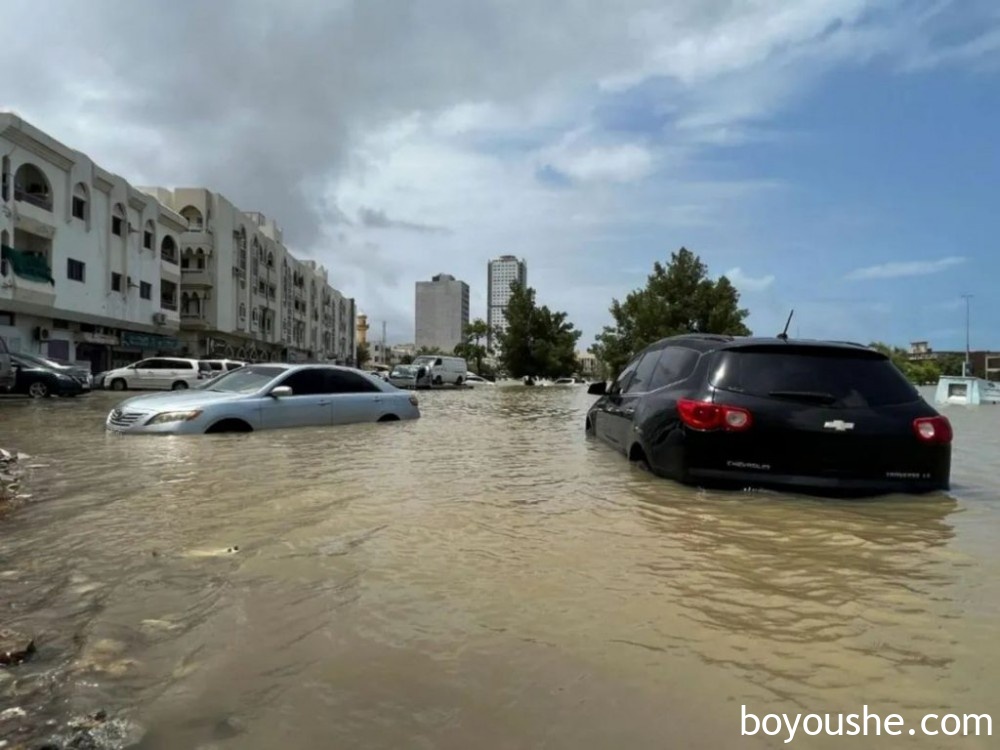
(823, 416)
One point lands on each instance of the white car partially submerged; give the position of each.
(271, 396)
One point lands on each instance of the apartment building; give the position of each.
(244, 295)
(442, 312)
(89, 265)
(500, 274)
(95, 270)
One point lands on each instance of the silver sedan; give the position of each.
(271, 396)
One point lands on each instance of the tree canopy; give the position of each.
(473, 349)
(921, 371)
(538, 341)
(362, 355)
(678, 298)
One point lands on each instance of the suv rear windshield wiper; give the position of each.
(819, 397)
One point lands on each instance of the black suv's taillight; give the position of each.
(934, 430)
(705, 416)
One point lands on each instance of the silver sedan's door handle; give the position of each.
(324, 403)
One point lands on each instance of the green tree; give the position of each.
(472, 348)
(922, 370)
(678, 298)
(406, 359)
(362, 355)
(537, 341)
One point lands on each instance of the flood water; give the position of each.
(484, 577)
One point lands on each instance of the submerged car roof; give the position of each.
(707, 342)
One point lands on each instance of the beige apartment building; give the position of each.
(94, 270)
(245, 296)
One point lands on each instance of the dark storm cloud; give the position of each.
(262, 100)
(377, 219)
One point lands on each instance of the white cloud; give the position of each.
(745, 283)
(900, 269)
(626, 162)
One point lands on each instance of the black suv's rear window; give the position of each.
(828, 376)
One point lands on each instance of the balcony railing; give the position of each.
(30, 266)
(35, 199)
(169, 304)
(170, 257)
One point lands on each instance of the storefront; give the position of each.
(96, 349)
(134, 346)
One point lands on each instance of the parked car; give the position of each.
(410, 376)
(6, 368)
(223, 365)
(258, 397)
(37, 378)
(157, 373)
(443, 369)
(80, 372)
(472, 379)
(755, 412)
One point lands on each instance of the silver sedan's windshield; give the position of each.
(246, 379)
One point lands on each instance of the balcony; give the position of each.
(203, 277)
(26, 277)
(38, 199)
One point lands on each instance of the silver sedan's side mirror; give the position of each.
(281, 390)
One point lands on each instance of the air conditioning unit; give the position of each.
(159, 318)
(42, 334)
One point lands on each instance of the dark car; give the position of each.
(39, 378)
(829, 417)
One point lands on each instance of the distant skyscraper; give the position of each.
(501, 273)
(442, 312)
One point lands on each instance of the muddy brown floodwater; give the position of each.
(484, 577)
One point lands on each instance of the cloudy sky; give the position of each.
(839, 157)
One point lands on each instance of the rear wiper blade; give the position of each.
(821, 397)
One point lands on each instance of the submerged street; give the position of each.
(483, 576)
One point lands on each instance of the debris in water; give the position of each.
(15, 647)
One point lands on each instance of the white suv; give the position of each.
(158, 373)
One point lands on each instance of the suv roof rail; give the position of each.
(851, 343)
(709, 336)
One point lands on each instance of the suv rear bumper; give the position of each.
(815, 484)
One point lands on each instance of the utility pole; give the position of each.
(966, 365)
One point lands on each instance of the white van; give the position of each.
(443, 369)
(158, 373)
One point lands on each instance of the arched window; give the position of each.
(168, 249)
(243, 311)
(118, 220)
(149, 235)
(81, 203)
(32, 186)
(200, 259)
(270, 260)
(256, 318)
(194, 219)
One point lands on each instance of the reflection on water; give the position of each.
(481, 577)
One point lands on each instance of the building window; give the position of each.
(145, 290)
(32, 186)
(79, 204)
(118, 227)
(75, 270)
(149, 236)
(116, 282)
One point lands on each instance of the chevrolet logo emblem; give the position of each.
(839, 425)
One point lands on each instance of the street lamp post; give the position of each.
(966, 365)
